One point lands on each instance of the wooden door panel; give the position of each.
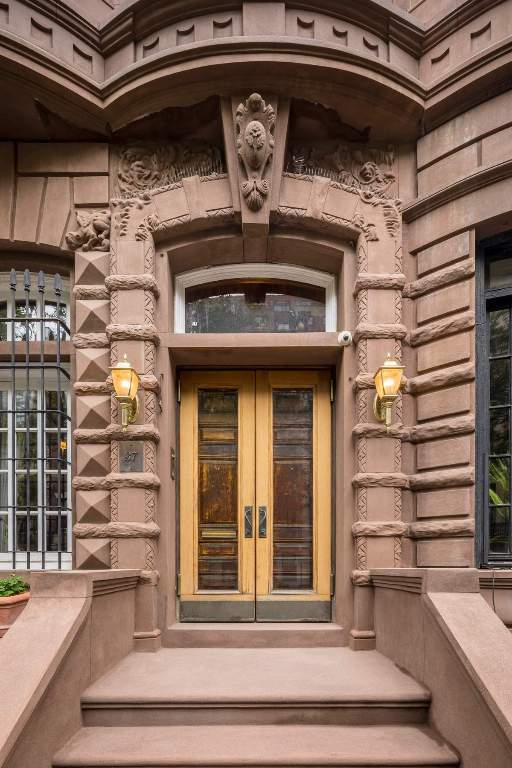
(293, 455)
(255, 496)
(217, 467)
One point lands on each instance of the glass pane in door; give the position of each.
(218, 489)
(292, 452)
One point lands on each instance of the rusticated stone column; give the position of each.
(378, 527)
(92, 393)
(132, 331)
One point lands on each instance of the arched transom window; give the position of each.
(255, 298)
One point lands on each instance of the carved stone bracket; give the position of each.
(255, 124)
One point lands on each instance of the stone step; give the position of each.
(192, 686)
(253, 635)
(403, 746)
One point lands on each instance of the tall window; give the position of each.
(495, 401)
(34, 421)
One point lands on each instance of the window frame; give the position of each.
(283, 272)
(488, 249)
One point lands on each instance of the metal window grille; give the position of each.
(35, 427)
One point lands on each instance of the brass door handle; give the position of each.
(262, 522)
(248, 522)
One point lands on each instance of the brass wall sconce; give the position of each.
(388, 382)
(126, 380)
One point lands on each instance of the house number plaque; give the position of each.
(131, 456)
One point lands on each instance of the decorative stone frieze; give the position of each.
(364, 171)
(146, 167)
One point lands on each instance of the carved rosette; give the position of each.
(255, 122)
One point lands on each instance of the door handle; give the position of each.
(262, 522)
(248, 522)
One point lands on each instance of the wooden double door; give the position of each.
(255, 496)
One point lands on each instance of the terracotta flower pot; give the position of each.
(10, 609)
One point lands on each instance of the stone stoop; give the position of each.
(252, 707)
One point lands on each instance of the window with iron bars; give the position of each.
(35, 428)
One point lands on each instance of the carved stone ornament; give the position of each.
(146, 167)
(93, 233)
(365, 171)
(255, 123)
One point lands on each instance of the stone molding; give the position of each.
(439, 279)
(458, 425)
(86, 340)
(85, 292)
(435, 529)
(148, 382)
(143, 282)
(442, 478)
(116, 432)
(446, 327)
(117, 480)
(135, 332)
(447, 377)
(403, 582)
(417, 433)
(379, 528)
(116, 530)
(380, 480)
(379, 331)
(109, 586)
(374, 282)
(361, 578)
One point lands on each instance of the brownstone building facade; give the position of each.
(252, 204)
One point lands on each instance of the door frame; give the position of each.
(284, 606)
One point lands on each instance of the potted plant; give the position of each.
(14, 594)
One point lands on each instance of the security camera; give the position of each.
(344, 338)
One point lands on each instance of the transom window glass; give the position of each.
(35, 431)
(257, 306)
(255, 298)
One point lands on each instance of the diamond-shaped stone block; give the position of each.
(92, 553)
(92, 411)
(92, 315)
(91, 267)
(92, 460)
(92, 506)
(92, 364)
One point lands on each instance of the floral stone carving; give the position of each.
(144, 168)
(365, 171)
(93, 233)
(255, 123)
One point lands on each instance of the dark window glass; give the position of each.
(218, 489)
(292, 453)
(500, 273)
(253, 306)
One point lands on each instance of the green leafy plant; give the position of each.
(13, 585)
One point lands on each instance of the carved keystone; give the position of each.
(255, 123)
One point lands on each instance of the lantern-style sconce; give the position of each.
(388, 382)
(126, 380)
